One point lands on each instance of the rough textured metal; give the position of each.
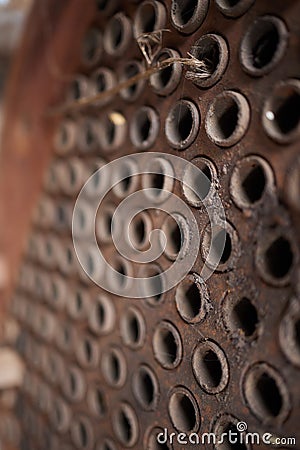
(108, 373)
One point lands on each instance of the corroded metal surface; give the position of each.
(106, 372)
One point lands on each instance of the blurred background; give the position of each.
(13, 14)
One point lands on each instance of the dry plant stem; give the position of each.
(200, 69)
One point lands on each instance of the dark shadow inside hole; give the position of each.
(83, 435)
(100, 314)
(222, 250)
(186, 415)
(114, 368)
(175, 238)
(146, 388)
(89, 135)
(73, 383)
(125, 427)
(168, 347)
(133, 329)
(144, 127)
(110, 131)
(254, 184)
(76, 92)
(268, 395)
(287, 115)
(265, 45)
(244, 316)
(185, 10)
(212, 369)
(227, 445)
(140, 230)
(157, 181)
(279, 257)
(209, 52)
(183, 122)
(117, 34)
(148, 19)
(88, 350)
(99, 402)
(191, 301)
(101, 82)
(228, 120)
(165, 75)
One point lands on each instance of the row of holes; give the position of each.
(226, 122)
(262, 46)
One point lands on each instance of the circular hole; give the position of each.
(113, 365)
(152, 284)
(167, 346)
(87, 352)
(150, 16)
(182, 124)
(251, 179)
(91, 47)
(82, 433)
(125, 425)
(87, 135)
(225, 425)
(130, 70)
(103, 79)
(145, 388)
(220, 247)
(104, 228)
(64, 140)
(210, 367)
(79, 88)
(144, 127)
(60, 415)
(139, 230)
(263, 45)
(213, 51)
(154, 440)
(74, 384)
(121, 278)
(275, 257)
(78, 304)
(279, 257)
(227, 118)
(289, 333)
(234, 8)
(243, 317)
(176, 231)
(198, 181)
(117, 35)
(188, 15)
(266, 393)
(96, 401)
(102, 315)
(133, 328)
(125, 179)
(192, 299)
(184, 411)
(158, 180)
(281, 116)
(166, 80)
(113, 130)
